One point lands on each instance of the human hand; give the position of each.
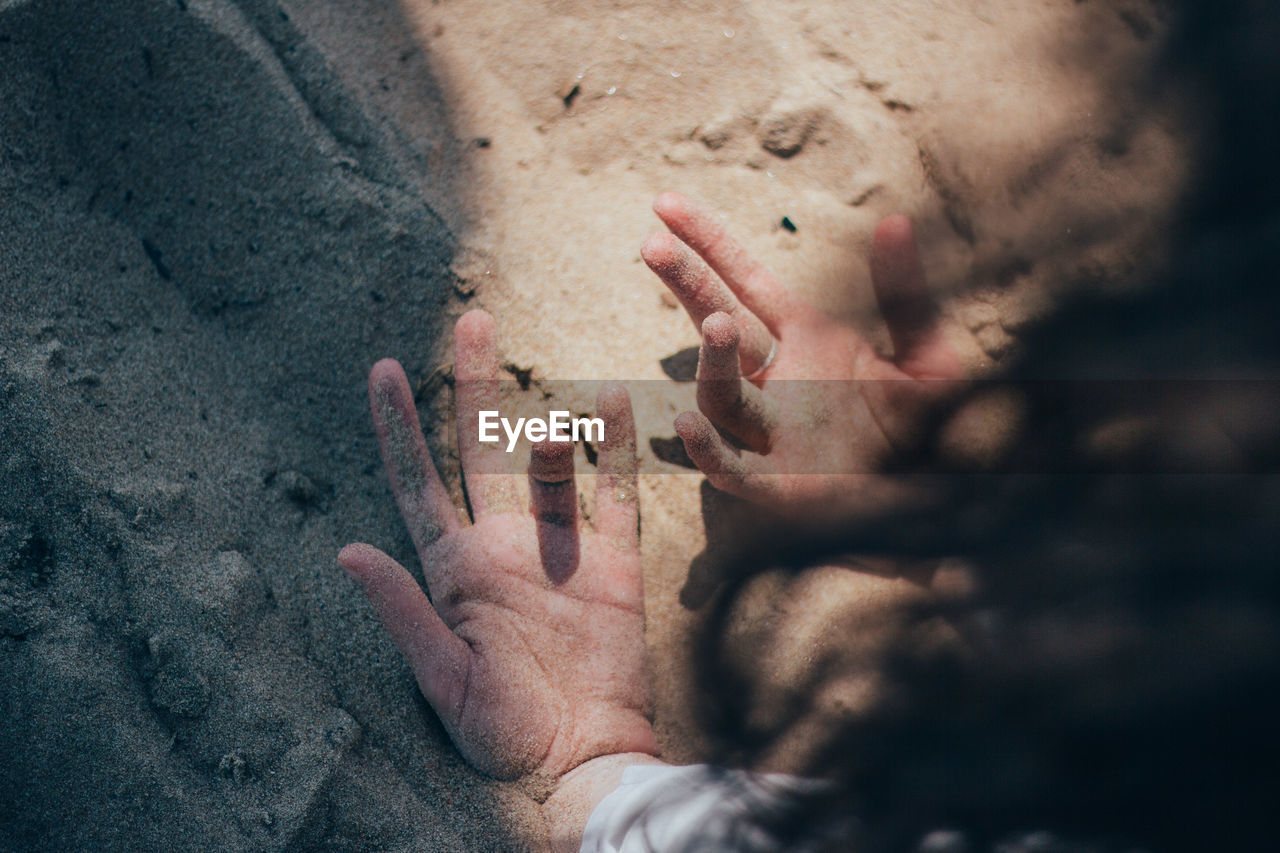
(531, 647)
(815, 444)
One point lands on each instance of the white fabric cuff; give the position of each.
(658, 808)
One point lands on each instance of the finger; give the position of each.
(475, 369)
(553, 501)
(723, 396)
(424, 503)
(727, 470)
(758, 289)
(439, 658)
(702, 294)
(908, 308)
(617, 512)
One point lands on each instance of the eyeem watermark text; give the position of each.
(557, 426)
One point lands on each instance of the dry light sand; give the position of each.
(216, 214)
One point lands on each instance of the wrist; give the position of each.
(579, 791)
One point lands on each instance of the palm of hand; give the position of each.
(556, 672)
(531, 647)
(820, 412)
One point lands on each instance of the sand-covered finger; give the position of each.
(438, 658)
(724, 467)
(703, 293)
(617, 508)
(754, 285)
(553, 502)
(424, 503)
(723, 396)
(485, 467)
(908, 308)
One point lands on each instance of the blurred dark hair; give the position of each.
(1119, 677)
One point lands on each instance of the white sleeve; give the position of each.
(657, 809)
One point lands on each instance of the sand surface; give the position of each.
(216, 214)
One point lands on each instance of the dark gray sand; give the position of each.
(205, 239)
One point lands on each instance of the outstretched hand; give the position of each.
(530, 648)
(817, 443)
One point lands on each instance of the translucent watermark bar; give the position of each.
(836, 427)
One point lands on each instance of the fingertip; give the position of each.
(551, 461)
(391, 402)
(476, 323)
(669, 204)
(613, 402)
(721, 331)
(475, 348)
(705, 448)
(385, 373)
(893, 245)
(661, 251)
(896, 272)
(897, 225)
(356, 558)
(692, 428)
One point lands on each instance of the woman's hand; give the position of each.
(816, 408)
(531, 646)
